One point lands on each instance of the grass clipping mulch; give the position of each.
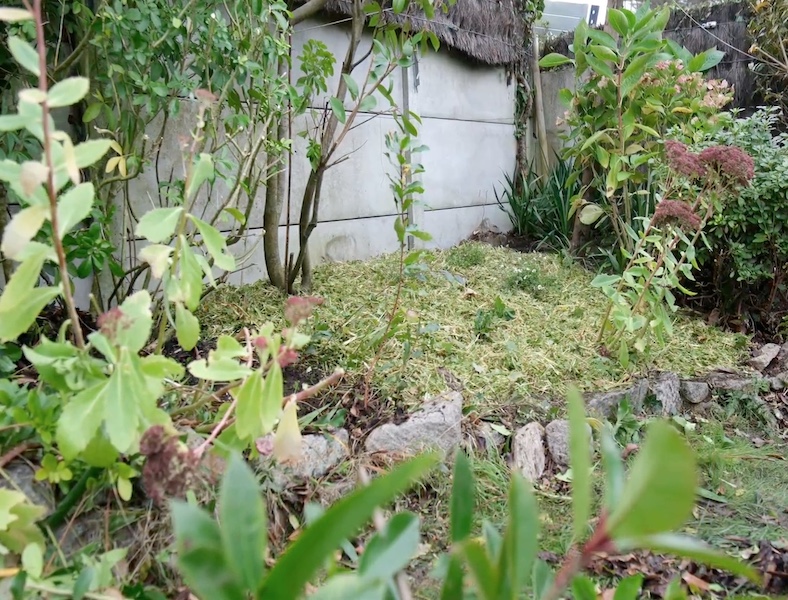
(545, 341)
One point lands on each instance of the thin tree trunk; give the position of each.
(580, 231)
(541, 128)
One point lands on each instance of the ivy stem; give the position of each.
(65, 278)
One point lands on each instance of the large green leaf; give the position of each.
(554, 60)
(22, 301)
(215, 243)
(243, 523)
(125, 394)
(24, 54)
(187, 327)
(580, 461)
(660, 493)
(74, 206)
(67, 92)
(614, 470)
(301, 561)
(390, 550)
(201, 559)
(618, 21)
(482, 571)
(80, 419)
(521, 540)
(688, 547)
(159, 224)
(271, 399)
(248, 425)
(203, 171)
(463, 496)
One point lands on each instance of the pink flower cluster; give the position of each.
(681, 160)
(729, 161)
(675, 211)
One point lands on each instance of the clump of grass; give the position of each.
(466, 256)
(545, 346)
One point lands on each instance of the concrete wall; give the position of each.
(553, 82)
(467, 112)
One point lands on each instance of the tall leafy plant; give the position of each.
(629, 90)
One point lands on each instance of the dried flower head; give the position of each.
(677, 212)
(299, 308)
(681, 160)
(730, 162)
(170, 467)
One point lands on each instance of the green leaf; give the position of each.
(220, 369)
(463, 494)
(242, 515)
(22, 229)
(554, 60)
(80, 420)
(590, 213)
(33, 560)
(580, 461)
(68, 92)
(344, 586)
(159, 224)
(600, 67)
(604, 53)
(583, 588)
(201, 560)
(618, 21)
(633, 73)
(688, 547)
(629, 588)
(660, 493)
(92, 112)
(135, 320)
(126, 391)
(202, 171)
(24, 54)
(351, 84)
(314, 546)
(614, 470)
(390, 550)
(368, 104)
(216, 244)
(271, 400)
(10, 14)
(482, 571)
(74, 206)
(338, 109)
(543, 578)
(187, 327)
(12, 122)
(399, 6)
(21, 301)
(705, 60)
(520, 542)
(89, 152)
(248, 425)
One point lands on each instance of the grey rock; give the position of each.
(528, 453)
(558, 441)
(695, 392)
(21, 477)
(487, 437)
(330, 493)
(319, 454)
(732, 382)
(776, 383)
(605, 404)
(766, 354)
(666, 389)
(437, 426)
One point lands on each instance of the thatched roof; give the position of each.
(701, 28)
(488, 31)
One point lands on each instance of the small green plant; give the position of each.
(486, 319)
(465, 256)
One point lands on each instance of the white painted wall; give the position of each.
(467, 113)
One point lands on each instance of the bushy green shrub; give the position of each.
(748, 260)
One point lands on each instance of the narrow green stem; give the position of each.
(74, 495)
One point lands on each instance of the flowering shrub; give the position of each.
(747, 263)
(627, 96)
(696, 186)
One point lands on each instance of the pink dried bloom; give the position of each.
(299, 308)
(729, 161)
(662, 65)
(675, 211)
(287, 356)
(682, 160)
(170, 468)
